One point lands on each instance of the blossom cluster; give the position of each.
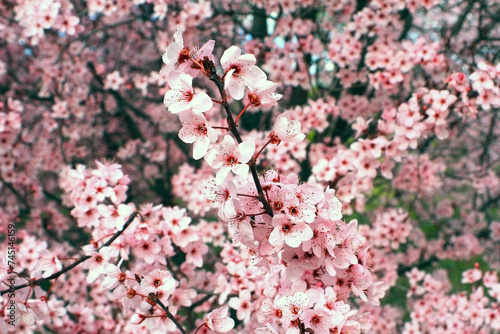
(435, 311)
(303, 230)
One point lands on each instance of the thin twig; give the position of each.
(153, 296)
(73, 265)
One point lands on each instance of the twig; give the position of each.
(71, 266)
(153, 296)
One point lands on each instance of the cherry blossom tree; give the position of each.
(249, 166)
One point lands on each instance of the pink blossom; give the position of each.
(243, 305)
(239, 227)
(48, 263)
(240, 71)
(147, 250)
(175, 52)
(158, 281)
(182, 97)
(321, 321)
(113, 276)
(262, 94)
(229, 157)
(98, 263)
(223, 194)
(292, 233)
(472, 275)
(285, 130)
(67, 24)
(115, 217)
(194, 252)
(113, 81)
(293, 306)
(219, 321)
(331, 208)
(195, 129)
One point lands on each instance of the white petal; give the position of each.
(254, 74)
(280, 125)
(200, 147)
(229, 56)
(264, 87)
(170, 97)
(228, 78)
(275, 238)
(187, 135)
(246, 149)
(227, 145)
(173, 77)
(247, 60)
(306, 233)
(223, 325)
(178, 35)
(236, 89)
(211, 159)
(201, 102)
(178, 106)
(211, 134)
(292, 240)
(172, 53)
(293, 128)
(222, 174)
(240, 169)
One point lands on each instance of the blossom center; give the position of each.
(286, 228)
(183, 55)
(316, 320)
(188, 96)
(231, 160)
(202, 129)
(278, 205)
(131, 293)
(121, 277)
(237, 69)
(254, 99)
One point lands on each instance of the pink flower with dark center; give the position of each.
(292, 233)
(181, 95)
(229, 157)
(293, 306)
(262, 94)
(48, 263)
(240, 71)
(243, 305)
(158, 280)
(188, 60)
(113, 81)
(175, 53)
(98, 262)
(195, 129)
(224, 194)
(321, 321)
